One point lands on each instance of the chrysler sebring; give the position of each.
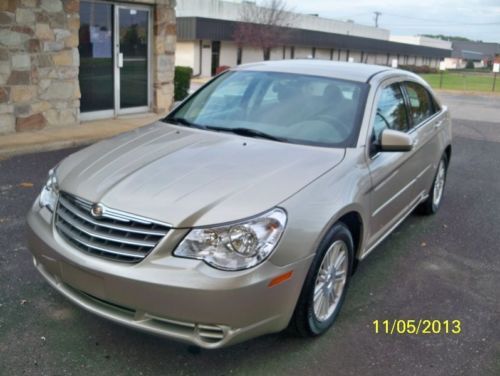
(246, 209)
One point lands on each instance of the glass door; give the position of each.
(96, 74)
(132, 68)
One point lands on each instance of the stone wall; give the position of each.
(38, 64)
(163, 67)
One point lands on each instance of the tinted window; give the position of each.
(293, 107)
(391, 111)
(421, 106)
(96, 56)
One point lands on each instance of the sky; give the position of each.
(473, 19)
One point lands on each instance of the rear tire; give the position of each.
(433, 202)
(326, 284)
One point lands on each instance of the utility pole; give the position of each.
(377, 15)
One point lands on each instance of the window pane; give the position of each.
(420, 104)
(133, 28)
(96, 56)
(391, 111)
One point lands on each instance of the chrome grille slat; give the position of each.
(211, 335)
(95, 234)
(108, 249)
(120, 227)
(117, 235)
(83, 203)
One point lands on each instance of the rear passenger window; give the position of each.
(421, 106)
(391, 112)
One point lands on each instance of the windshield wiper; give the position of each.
(247, 132)
(184, 121)
(239, 131)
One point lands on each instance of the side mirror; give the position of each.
(392, 140)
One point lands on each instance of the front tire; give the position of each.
(432, 203)
(326, 283)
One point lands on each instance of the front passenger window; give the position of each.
(391, 113)
(420, 103)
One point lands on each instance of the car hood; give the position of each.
(189, 177)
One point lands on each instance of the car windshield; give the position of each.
(278, 106)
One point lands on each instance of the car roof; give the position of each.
(334, 69)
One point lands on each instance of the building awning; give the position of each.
(198, 28)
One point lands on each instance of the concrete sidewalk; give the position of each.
(83, 134)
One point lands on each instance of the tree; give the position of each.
(263, 25)
(449, 38)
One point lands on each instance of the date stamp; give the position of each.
(417, 327)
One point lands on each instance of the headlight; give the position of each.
(237, 246)
(50, 192)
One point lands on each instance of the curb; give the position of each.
(38, 148)
(65, 137)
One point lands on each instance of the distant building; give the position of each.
(481, 54)
(422, 41)
(205, 40)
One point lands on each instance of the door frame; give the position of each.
(116, 50)
(116, 110)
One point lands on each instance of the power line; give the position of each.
(412, 17)
(438, 22)
(448, 24)
(406, 26)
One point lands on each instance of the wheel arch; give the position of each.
(354, 222)
(447, 151)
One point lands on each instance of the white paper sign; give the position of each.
(496, 68)
(442, 66)
(394, 63)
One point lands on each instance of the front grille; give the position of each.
(114, 235)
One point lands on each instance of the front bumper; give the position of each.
(178, 298)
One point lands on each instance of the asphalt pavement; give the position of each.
(443, 267)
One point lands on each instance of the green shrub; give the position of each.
(420, 69)
(182, 82)
(469, 65)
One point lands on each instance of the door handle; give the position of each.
(120, 60)
(438, 124)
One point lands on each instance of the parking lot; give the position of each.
(444, 267)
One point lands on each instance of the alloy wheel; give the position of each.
(330, 281)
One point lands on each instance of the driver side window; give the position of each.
(391, 113)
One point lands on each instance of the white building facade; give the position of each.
(205, 40)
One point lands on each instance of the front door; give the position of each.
(392, 173)
(114, 46)
(132, 68)
(215, 57)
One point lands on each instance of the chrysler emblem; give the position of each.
(96, 210)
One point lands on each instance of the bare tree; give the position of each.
(263, 25)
